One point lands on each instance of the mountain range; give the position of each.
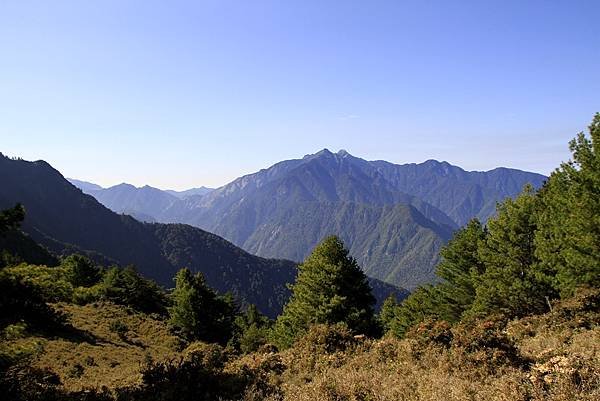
(64, 220)
(394, 218)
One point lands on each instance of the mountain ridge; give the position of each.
(66, 220)
(281, 211)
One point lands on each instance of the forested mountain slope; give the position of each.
(61, 217)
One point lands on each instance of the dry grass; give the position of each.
(553, 357)
(98, 356)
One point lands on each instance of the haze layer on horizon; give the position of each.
(184, 94)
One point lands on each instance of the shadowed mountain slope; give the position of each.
(65, 220)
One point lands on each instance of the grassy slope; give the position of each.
(107, 358)
(555, 356)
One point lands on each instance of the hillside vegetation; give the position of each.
(515, 315)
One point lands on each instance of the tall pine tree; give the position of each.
(330, 288)
(510, 283)
(568, 241)
(198, 312)
(461, 268)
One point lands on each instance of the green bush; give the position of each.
(81, 271)
(21, 301)
(119, 328)
(49, 282)
(87, 295)
(127, 287)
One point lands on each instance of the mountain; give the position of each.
(85, 186)
(394, 218)
(144, 204)
(394, 243)
(65, 220)
(18, 247)
(460, 194)
(286, 210)
(190, 192)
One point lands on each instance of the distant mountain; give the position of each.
(394, 218)
(394, 243)
(190, 192)
(84, 185)
(146, 203)
(460, 194)
(65, 220)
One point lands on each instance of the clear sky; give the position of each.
(178, 94)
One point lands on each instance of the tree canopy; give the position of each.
(538, 247)
(198, 312)
(330, 288)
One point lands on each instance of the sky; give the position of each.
(179, 94)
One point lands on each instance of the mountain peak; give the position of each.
(327, 153)
(324, 152)
(123, 185)
(321, 153)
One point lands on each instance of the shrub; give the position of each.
(119, 328)
(210, 356)
(76, 371)
(322, 346)
(81, 271)
(87, 295)
(22, 301)
(431, 332)
(30, 384)
(484, 343)
(49, 282)
(127, 287)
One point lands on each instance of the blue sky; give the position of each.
(179, 94)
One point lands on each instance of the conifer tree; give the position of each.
(198, 312)
(125, 286)
(330, 288)
(81, 271)
(568, 242)
(422, 303)
(460, 268)
(251, 330)
(510, 283)
(11, 218)
(388, 313)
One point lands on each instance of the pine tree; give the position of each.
(387, 314)
(460, 268)
(568, 241)
(510, 283)
(127, 287)
(330, 288)
(251, 330)
(81, 271)
(422, 303)
(12, 218)
(198, 312)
